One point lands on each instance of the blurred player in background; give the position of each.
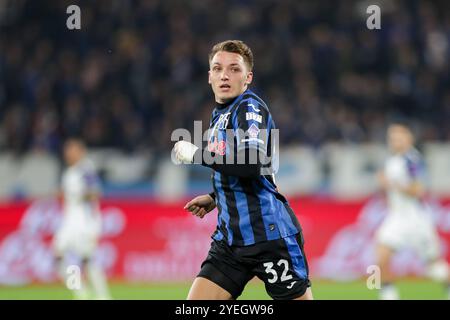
(81, 225)
(407, 223)
(257, 232)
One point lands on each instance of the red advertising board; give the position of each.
(152, 241)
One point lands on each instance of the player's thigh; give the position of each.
(392, 234)
(85, 246)
(204, 289)
(427, 244)
(61, 241)
(307, 296)
(284, 268)
(224, 268)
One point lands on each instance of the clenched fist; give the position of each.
(201, 205)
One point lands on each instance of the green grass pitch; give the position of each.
(409, 289)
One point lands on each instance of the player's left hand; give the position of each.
(201, 205)
(184, 151)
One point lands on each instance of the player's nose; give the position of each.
(224, 75)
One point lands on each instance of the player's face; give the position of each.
(399, 138)
(228, 76)
(73, 152)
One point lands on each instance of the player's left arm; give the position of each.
(252, 123)
(92, 196)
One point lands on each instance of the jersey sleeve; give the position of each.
(415, 167)
(251, 125)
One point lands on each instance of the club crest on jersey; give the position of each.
(253, 131)
(253, 116)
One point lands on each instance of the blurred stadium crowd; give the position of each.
(137, 70)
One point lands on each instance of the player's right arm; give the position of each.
(414, 189)
(382, 180)
(251, 135)
(201, 205)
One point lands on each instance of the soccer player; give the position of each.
(81, 225)
(257, 232)
(406, 225)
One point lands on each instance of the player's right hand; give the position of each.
(184, 151)
(382, 180)
(201, 205)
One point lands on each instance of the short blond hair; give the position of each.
(234, 46)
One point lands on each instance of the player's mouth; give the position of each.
(224, 87)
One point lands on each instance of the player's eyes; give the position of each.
(216, 69)
(235, 69)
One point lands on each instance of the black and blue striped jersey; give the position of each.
(250, 209)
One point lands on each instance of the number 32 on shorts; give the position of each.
(270, 270)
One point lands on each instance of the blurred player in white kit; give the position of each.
(407, 224)
(81, 225)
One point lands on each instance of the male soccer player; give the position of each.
(81, 224)
(257, 232)
(406, 225)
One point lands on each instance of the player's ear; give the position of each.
(209, 76)
(249, 78)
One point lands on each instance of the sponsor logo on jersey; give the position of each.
(253, 116)
(253, 140)
(254, 107)
(291, 285)
(222, 123)
(214, 145)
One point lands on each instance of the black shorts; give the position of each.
(281, 264)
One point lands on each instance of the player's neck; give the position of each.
(76, 163)
(402, 152)
(223, 105)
